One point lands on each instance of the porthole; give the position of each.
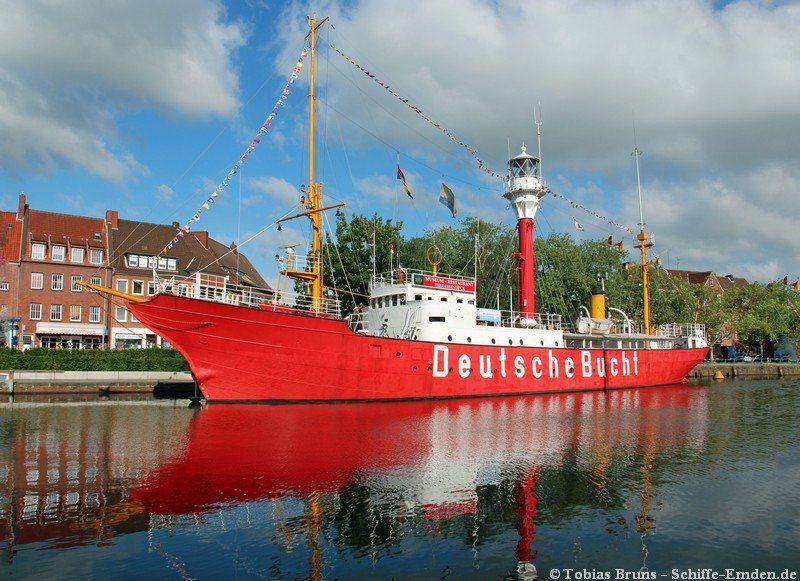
(469, 339)
(397, 354)
(520, 342)
(541, 343)
(493, 341)
(556, 343)
(414, 368)
(449, 337)
(510, 342)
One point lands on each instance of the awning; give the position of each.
(69, 329)
(127, 337)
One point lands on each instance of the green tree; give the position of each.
(348, 258)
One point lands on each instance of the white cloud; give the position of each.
(714, 91)
(66, 69)
(277, 190)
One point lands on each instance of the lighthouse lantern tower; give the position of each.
(524, 189)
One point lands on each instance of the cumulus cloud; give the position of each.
(277, 190)
(66, 69)
(713, 90)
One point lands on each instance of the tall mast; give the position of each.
(643, 245)
(314, 192)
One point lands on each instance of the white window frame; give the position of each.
(75, 312)
(4, 286)
(37, 280)
(35, 312)
(56, 312)
(122, 285)
(92, 317)
(62, 251)
(121, 314)
(140, 284)
(151, 288)
(37, 251)
(57, 282)
(96, 280)
(76, 287)
(74, 253)
(96, 256)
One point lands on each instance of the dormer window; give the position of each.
(76, 255)
(37, 251)
(57, 253)
(97, 235)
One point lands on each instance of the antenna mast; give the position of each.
(643, 243)
(538, 122)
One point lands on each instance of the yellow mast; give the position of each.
(313, 198)
(314, 191)
(643, 245)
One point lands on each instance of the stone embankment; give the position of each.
(34, 382)
(754, 369)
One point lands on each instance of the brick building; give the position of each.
(45, 255)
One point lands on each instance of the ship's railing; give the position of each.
(415, 276)
(219, 289)
(518, 319)
(681, 330)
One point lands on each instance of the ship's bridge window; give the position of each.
(436, 319)
(459, 300)
(402, 299)
(443, 299)
(470, 302)
(395, 298)
(417, 297)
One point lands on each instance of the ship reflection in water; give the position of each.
(469, 487)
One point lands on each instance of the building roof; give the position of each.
(10, 236)
(195, 251)
(709, 278)
(51, 227)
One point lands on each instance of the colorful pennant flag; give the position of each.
(242, 158)
(401, 176)
(447, 198)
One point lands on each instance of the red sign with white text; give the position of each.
(453, 284)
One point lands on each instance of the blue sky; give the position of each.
(144, 107)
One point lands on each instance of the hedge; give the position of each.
(93, 360)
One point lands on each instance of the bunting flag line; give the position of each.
(401, 176)
(592, 212)
(447, 198)
(263, 130)
(472, 151)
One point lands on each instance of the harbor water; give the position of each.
(660, 483)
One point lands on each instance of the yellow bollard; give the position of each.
(718, 375)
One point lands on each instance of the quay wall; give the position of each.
(749, 369)
(21, 382)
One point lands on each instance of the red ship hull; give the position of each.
(239, 353)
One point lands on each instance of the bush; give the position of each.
(93, 360)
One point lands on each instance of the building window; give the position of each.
(94, 314)
(96, 280)
(121, 314)
(151, 288)
(96, 256)
(122, 285)
(76, 255)
(50, 342)
(137, 287)
(37, 280)
(37, 251)
(35, 313)
(75, 313)
(57, 253)
(134, 319)
(76, 283)
(3, 286)
(58, 282)
(55, 312)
